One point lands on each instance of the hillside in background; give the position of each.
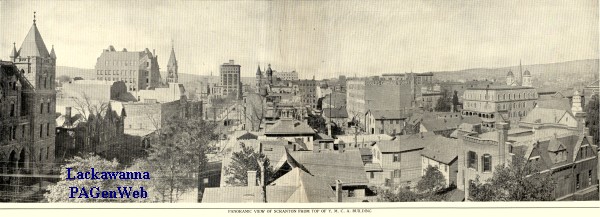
(557, 75)
(560, 75)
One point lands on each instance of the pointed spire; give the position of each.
(172, 58)
(14, 53)
(258, 72)
(33, 44)
(34, 18)
(52, 54)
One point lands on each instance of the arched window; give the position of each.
(487, 162)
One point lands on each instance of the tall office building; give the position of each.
(230, 79)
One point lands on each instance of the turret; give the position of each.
(510, 78)
(527, 79)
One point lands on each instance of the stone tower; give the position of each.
(527, 79)
(258, 78)
(172, 74)
(576, 103)
(39, 69)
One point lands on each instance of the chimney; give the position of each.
(451, 107)
(68, 112)
(580, 117)
(338, 191)
(329, 129)
(251, 178)
(502, 128)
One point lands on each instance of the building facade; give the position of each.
(27, 100)
(493, 103)
(307, 89)
(286, 76)
(138, 69)
(230, 79)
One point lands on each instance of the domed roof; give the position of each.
(526, 73)
(510, 73)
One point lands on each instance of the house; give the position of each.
(291, 130)
(444, 157)
(337, 115)
(389, 122)
(398, 162)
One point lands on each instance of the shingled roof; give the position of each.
(444, 150)
(330, 166)
(289, 126)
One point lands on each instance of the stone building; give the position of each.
(138, 69)
(286, 76)
(28, 99)
(499, 103)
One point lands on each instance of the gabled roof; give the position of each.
(335, 112)
(445, 151)
(247, 136)
(33, 45)
(554, 103)
(544, 115)
(330, 166)
(406, 143)
(308, 188)
(289, 126)
(52, 53)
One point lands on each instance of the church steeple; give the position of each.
(172, 68)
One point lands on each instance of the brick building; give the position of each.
(307, 89)
(388, 92)
(138, 69)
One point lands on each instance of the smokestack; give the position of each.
(502, 128)
(451, 107)
(251, 178)
(338, 190)
(68, 112)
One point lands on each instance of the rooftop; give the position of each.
(289, 126)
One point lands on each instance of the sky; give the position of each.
(316, 38)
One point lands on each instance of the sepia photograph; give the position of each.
(215, 104)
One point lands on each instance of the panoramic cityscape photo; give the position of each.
(298, 102)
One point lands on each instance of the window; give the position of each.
(372, 175)
(487, 163)
(577, 185)
(40, 154)
(41, 130)
(48, 107)
(12, 110)
(397, 174)
(589, 177)
(396, 157)
(472, 160)
(47, 129)
(47, 153)
(41, 108)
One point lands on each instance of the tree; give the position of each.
(432, 182)
(177, 150)
(247, 160)
(401, 195)
(444, 102)
(520, 181)
(592, 117)
(61, 192)
(455, 101)
(320, 124)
